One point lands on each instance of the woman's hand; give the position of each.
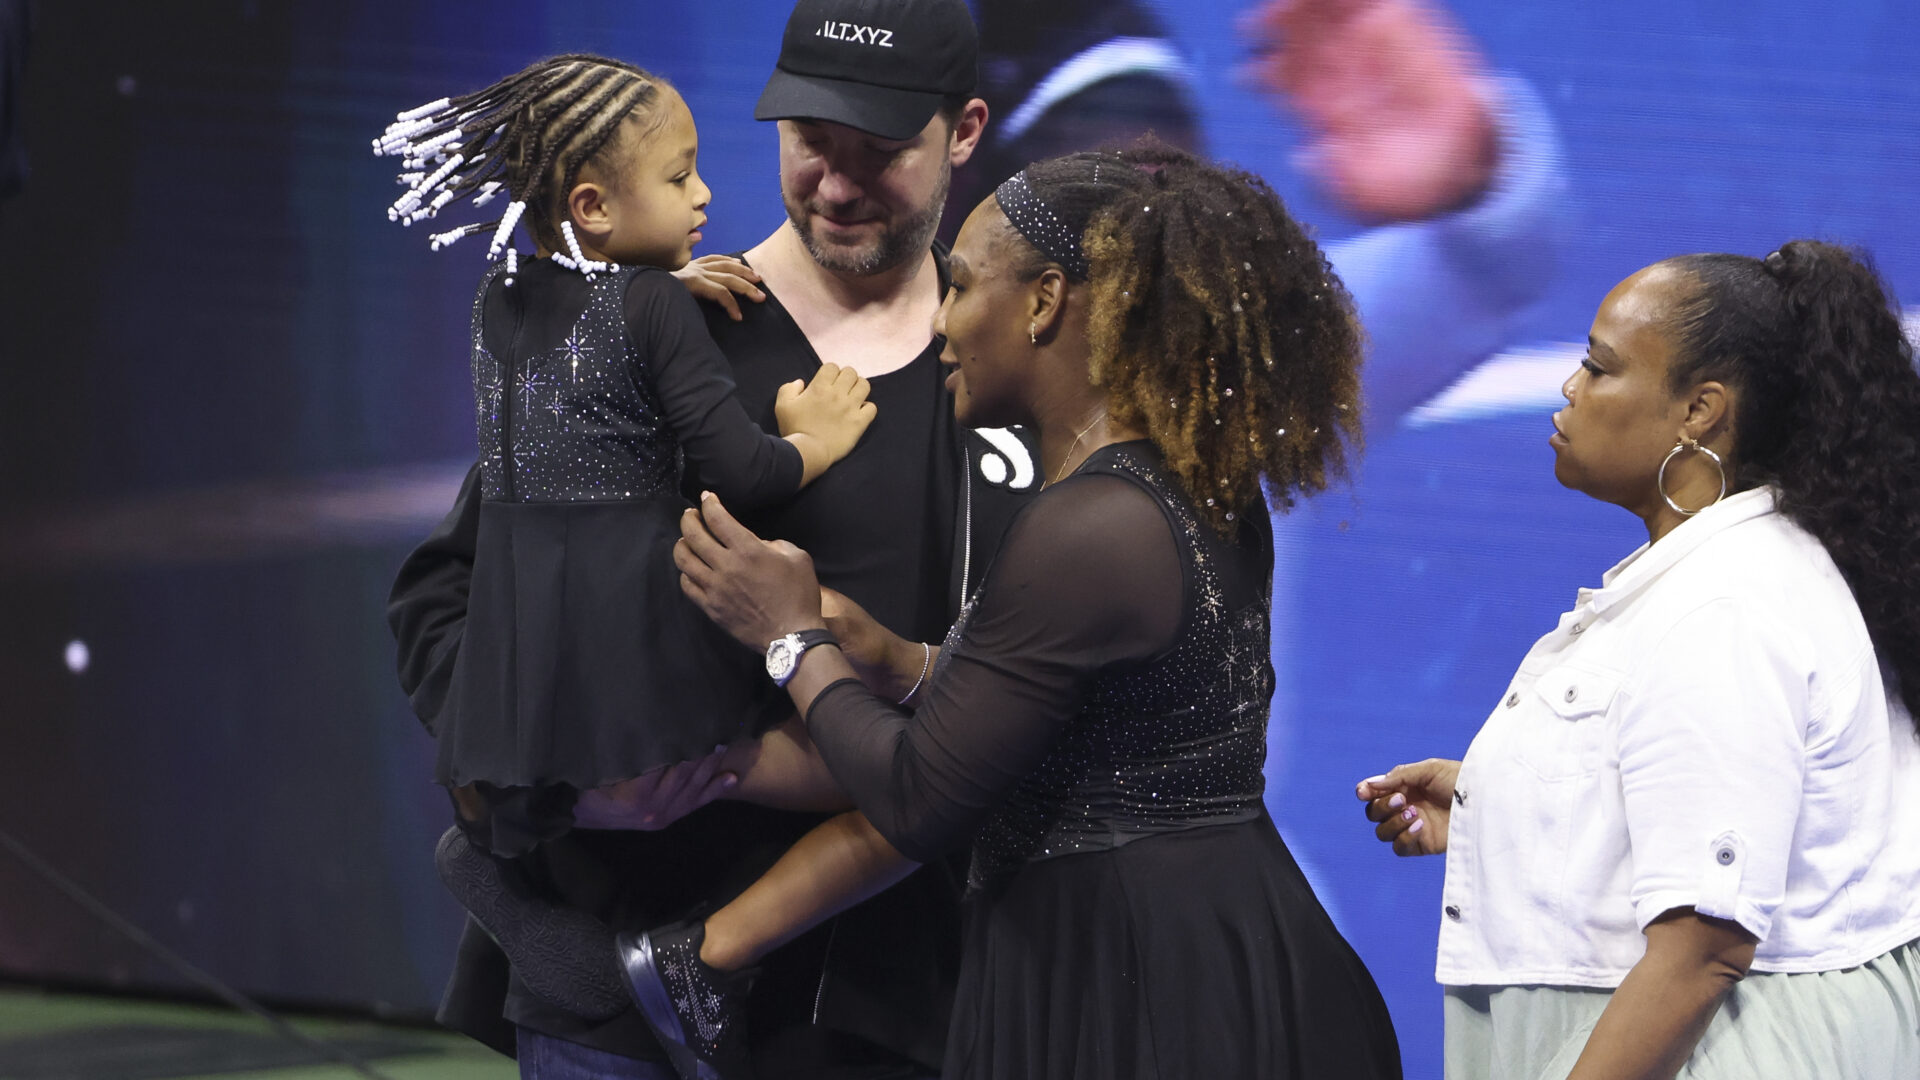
(889, 664)
(1412, 804)
(755, 590)
(717, 278)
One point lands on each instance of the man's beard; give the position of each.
(901, 241)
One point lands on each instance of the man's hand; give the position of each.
(656, 799)
(719, 279)
(1412, 804)
(1389, 91)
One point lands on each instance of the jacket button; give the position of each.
(1453, 912)
(1513, 699)
(1572, 692)
(1724, 856)
(1460, 796)
(1577, 628)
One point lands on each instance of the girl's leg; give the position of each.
(688, 979)
(782, 770)
(843, 861)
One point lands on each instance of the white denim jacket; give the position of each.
(1707, 729)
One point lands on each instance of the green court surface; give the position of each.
(67, 1036)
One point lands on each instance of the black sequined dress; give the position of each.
(1096, 726)
(582, 662)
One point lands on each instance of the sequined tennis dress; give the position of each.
(582, 662)
(1096, 728)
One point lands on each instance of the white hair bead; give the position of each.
(428, 109)
(486, 193)
(579, 261)
(505, 231)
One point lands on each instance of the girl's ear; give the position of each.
(587, 206)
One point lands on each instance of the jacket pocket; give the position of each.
(1560, 738)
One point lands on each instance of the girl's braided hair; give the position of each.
(527, 135)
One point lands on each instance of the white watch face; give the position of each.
(781, 656)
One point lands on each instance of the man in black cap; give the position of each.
(874, 104)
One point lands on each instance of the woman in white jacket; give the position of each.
(1687, 840)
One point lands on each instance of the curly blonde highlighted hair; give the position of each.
(1217, 326)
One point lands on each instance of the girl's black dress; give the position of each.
(582, 662)
(1096, 725)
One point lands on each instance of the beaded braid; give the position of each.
(527, 135)
(1216, 324)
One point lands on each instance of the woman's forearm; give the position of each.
(1653, 1022)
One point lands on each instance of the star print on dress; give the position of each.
(576, 351)
(621, 447)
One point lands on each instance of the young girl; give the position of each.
(595, 383)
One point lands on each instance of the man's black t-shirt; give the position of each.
(903, 526)
(879, 524)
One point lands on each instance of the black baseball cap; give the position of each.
(882, 66)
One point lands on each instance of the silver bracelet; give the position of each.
(926, 665)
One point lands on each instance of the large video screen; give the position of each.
(236, 394)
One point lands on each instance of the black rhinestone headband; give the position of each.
(1042, 228)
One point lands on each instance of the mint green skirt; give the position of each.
(1859, 1024)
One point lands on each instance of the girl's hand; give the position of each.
(832, 408)
(1412, 804)
(718, 278)
(825, 418)
(755, 590)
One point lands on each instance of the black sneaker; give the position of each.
(558, 954)
(699, 1014)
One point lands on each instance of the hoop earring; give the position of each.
(1660, 481)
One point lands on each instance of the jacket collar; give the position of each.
(1648, 563)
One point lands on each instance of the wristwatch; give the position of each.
(783, 653)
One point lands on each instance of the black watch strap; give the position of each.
(810, 638)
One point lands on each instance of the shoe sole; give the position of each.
(656, 1008)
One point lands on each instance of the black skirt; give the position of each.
(583, 663)
(1193, 954)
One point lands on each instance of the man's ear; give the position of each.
(967, 129)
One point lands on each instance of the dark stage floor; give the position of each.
(65, 1036)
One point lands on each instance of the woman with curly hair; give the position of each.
(1687, 841)
(1095, 723)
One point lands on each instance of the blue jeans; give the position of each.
(543, 1057)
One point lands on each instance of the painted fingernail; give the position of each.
(729, 780)
(1381, 779)
(1416, 826)
(1397, 801)
(1409, 814)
